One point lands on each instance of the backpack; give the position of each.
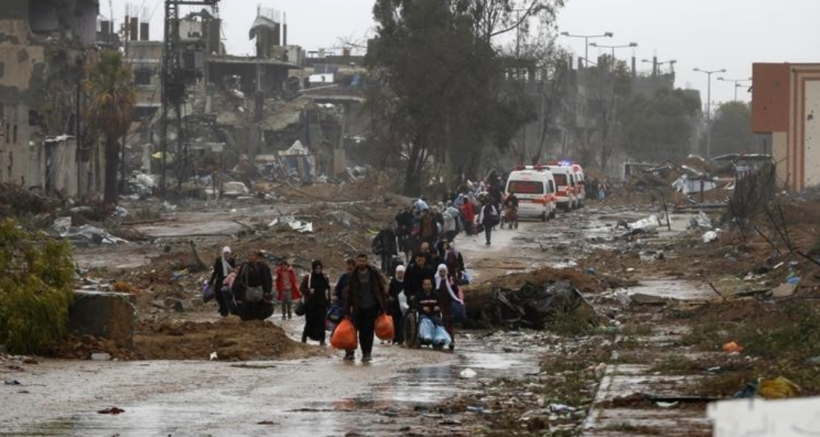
(491, 215)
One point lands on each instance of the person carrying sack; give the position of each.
(366, 300)
(252, 289)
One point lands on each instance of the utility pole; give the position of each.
(173, 85)
(709, 74)
(737, 82)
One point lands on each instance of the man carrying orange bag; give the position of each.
(366, 300)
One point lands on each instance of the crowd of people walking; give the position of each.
(421, 290)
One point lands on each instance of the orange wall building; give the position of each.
(786, 104)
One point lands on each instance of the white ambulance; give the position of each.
(566, 187)
(534, 186)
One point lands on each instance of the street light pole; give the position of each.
(586, 39)
(709, 74)
(623, 46)
(656, 66)
(737, 82)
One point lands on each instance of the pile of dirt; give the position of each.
(82, 347)
(231, 339)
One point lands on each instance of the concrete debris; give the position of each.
(235, 189)
(100, 356)
(296, 225)
(84, 234)
(710, 236)
(647, 224)
(467, 374)
(343, 217)
(536, 306)
(702, 222)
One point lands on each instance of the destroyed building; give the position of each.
(44, 46)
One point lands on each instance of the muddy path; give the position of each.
(317, 396)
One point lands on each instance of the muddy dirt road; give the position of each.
(310, 397)
(318, 396)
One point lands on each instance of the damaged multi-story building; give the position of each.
(44, 48)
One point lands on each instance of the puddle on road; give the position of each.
(213, 412)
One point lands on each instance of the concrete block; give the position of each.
(108, 315)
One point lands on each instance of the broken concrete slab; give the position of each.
(103, 314)
(649, 299)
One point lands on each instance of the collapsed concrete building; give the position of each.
(44, 46)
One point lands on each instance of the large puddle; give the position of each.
(317, 397)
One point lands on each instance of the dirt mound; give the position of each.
(231, 339)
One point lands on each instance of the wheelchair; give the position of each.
(412, 317)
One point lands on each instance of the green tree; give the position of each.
(35, 289)
(732, 129)
(109, 112)
(659, 128)
(438, 92)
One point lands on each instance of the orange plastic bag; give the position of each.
(384, 327)
(344, 337)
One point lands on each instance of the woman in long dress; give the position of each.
(316, 294)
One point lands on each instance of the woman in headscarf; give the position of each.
(223, 266)
(448, 295)
(316, 294)
(398, 296)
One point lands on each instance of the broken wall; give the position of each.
(35, 78)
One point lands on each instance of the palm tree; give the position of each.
(112, 100)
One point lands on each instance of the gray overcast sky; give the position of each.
(709, 34)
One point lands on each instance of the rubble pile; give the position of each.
(691, 181)
(535, 299)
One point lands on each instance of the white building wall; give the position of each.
(812, 133)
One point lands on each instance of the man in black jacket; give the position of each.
(252, 288)
(415, 275)
(366, 299)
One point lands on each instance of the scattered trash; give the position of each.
(343, 217)
(467, 374)
(598, 370)
(100, 356)
(476, 409)
(777, 388)
(785, 290)
(168, 207)
(701, 222)
(667, 404)
(590, 271)
(732, 347)
(648, 224)
(113, 411)
(214, 356)
(710, 236)
(234, 189)
(12, 382)
(561, 408)
(296, 225)
(83, 234)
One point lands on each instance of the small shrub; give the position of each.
(35, 289)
